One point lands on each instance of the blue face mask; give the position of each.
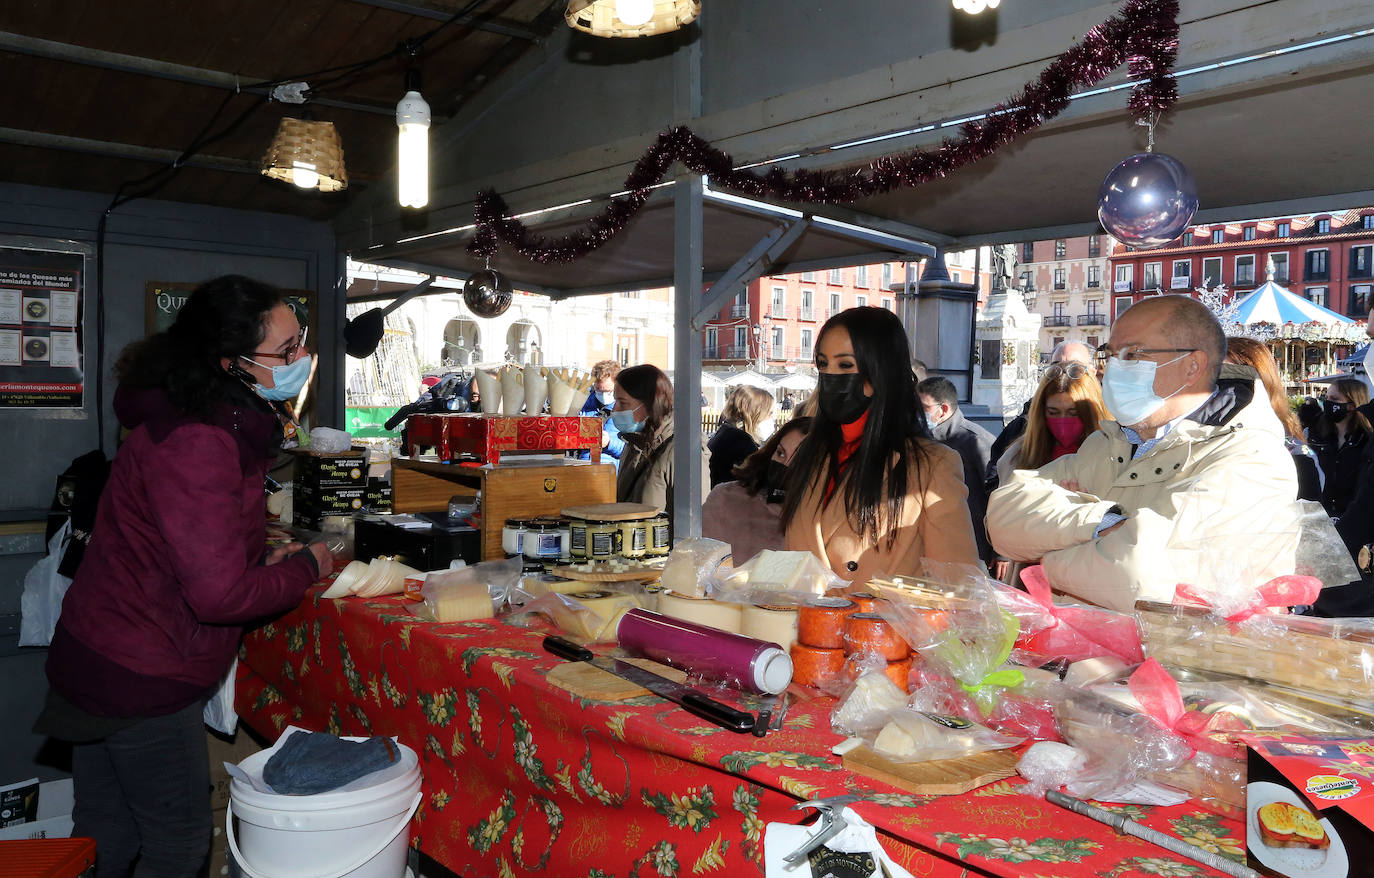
(287, 380)
(1128, 389)
(606, 397)
(625, 421)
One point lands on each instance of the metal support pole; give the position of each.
(687, 255)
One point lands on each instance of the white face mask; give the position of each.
(1128, 389)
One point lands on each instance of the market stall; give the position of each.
(520, 775)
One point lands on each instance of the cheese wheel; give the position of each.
(865, 601)
(462, 603)
(771, 624)
(606, 609)
(703, 611)
(812, 666)
(869, 632)
(900, 673)
(820, 622)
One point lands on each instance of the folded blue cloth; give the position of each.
(317, 762)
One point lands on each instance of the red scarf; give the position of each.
(851, 434)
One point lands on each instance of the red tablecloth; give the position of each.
(521, 777)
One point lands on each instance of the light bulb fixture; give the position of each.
(307, 153)
(630, 18)
(412, 145)
(973, 7)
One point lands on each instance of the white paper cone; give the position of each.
(559, 394)
(489, 386)
(512, 390)
(536, 390)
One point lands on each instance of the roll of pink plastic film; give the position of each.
(709, 652)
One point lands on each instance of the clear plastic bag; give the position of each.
(459, 595)
(590, 615)
(774, 578)
(910, 735)
(693, 565)
(1057, 629)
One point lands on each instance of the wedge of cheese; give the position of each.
(786, 571)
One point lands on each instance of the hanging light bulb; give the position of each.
(634, 12)
(412, 145)
(304, 175)
(973, 7)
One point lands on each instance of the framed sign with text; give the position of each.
(42, 303)
(163, 299)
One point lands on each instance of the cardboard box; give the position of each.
(1332, 779)
(344, 469)
(377, 498)
(54, 814)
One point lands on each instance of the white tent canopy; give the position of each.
(796, 381)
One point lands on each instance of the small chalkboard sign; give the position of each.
(163, 299)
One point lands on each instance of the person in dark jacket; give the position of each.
(1339, 437)
(949, 427)
(176, 567)
(741, 421)
(1248, 352)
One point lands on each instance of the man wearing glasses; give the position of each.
(1102, 520)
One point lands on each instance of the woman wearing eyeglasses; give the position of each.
(868, 490)
(1064, 411)
(177, 564)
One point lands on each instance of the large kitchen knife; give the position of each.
(686, 697)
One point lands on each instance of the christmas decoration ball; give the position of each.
(1147, 200)
(487, 293)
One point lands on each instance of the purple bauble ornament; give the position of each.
(487, 293)
(1147, 200)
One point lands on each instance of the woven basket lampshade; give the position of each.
(307, 145)
(599, 17)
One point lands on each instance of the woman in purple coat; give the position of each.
(176, 566)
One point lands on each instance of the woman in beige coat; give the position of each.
(869, 491)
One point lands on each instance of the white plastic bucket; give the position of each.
(346, 833)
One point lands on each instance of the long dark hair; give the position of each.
(752, 472)
(224, 317)
(873, 487)
(651, 389)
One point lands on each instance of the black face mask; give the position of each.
(773, 480)
(841, 396)
(1335, 410)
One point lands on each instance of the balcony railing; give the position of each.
(1092, 319)
(1245, 280)
(1059, 320)
(710, 353)
(1094, 282)
(777, 312)
(1309, 276)
(739, 310)
(810, 315)
(726, 352)
(1060, 285)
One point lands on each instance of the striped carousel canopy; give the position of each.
(1272, 303)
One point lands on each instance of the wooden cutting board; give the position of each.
(943, 777)
(612, 511)
(589, 681)
(639, 572)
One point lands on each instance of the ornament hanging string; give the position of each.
(1144, 35)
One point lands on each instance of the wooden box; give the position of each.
(420, 485)
(485, 437)
(1325, 656)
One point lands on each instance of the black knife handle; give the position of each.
(566, 649)
(721, 714)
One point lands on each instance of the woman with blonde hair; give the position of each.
(1249, 352)
(1064, 411)
(742, 421)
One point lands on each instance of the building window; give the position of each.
(777, 341)
(1152, 271)
(808, 275)
(712, 349)
(1060, 248)
(1317, 266)
(837, 275)
(779, 306)
(1367, 221)
(1316, 295)
(861, 276)
(1094, 246)
(887, 304)
(1119, 305)
(860, 301)
(1360, 300)
(1094, 276)
(1284, 229)
(1091, 341)
(956, 277)
(1279, 263)
(1187, 239)
(741, 340)
(1249, 233)
(1245, 270)
(1027, 251)
(1360, 261)
(1059, 283)
(1183, 274)
(741, 306)
(887, 275)
(806, 344)
(835, 307)
(1026, 283)
(808, 309)
(1323, 227)
(1211, 271)
(1058, 309)
(1218, 236)
(1125, 274)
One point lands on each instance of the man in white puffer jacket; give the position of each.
(1102, 519)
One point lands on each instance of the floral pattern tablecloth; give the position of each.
(522, 778)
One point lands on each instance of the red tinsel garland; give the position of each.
(1144, 35)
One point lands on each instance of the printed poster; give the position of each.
(41, 301)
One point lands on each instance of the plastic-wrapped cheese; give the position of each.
(907, 734)
(873, 694)
(786, 571)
